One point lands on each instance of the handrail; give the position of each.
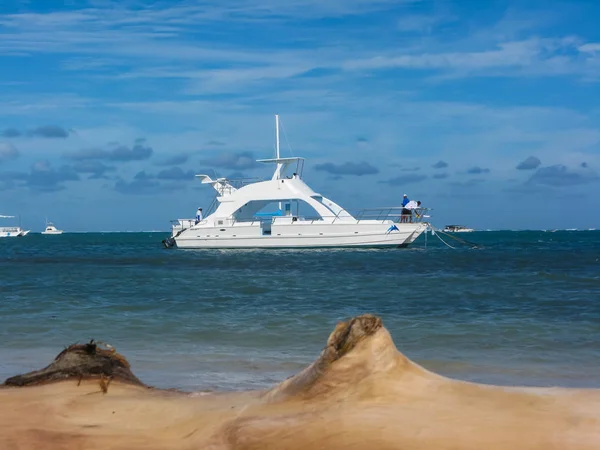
(392, 214)
(240, 182)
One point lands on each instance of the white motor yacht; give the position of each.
(51, 229)
(12, 231)
(237, 218)
(457, 229)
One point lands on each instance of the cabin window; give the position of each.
(220, 222)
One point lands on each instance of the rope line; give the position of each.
(462, 241)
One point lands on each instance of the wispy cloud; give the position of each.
(533, 56)
(233, 161)
(476, 170)
(8, 152)
(145, 184)
(11, 133)
(592, 47)
(348, 168)
(440, 165)
(174, 160)
(95, 169)
(49, 131)
(42, 177)
(406, 179)
(120, 153)
(45, 131)
(11, 179)
(529, 164)
(422, 23)
(175, 173)
(562, 176)
(467, 184)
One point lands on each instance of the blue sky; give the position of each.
(485, 111)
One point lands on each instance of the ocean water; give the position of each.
(523, 308)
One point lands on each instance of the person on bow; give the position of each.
(406, 213)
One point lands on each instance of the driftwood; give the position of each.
(361, 393)
(80, 361)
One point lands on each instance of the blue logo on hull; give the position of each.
(392, 228)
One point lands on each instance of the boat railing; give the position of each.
(241, 182)
(182, 224)
(10, 229)
(393, 214)
(382, 215)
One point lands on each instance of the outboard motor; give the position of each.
(169, 242)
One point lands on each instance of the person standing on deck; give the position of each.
(199, 215)
(412, 205)
(406, 213)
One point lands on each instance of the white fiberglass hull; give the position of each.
(52, 232)
(302, 236)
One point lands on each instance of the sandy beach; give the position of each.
(360, 393)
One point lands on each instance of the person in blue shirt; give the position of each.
(406, 213)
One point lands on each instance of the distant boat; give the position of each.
(457, 229)
(51, 229)
(12, 231)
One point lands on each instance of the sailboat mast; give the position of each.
(277, 134)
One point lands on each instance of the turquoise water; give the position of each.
(524, 308)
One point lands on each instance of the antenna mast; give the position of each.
(277, 134)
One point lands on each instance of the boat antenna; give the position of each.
(277, 135)
(286, 140)
(278, 170)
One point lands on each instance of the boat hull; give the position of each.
(343, 237)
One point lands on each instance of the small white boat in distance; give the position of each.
(238, 217)
(457, 229)
(12, 231)
(51, 229)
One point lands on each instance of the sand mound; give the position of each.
(361, 393)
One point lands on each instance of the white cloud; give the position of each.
(169, 41)
(592, 47)
(423, 23)
(528, 54)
